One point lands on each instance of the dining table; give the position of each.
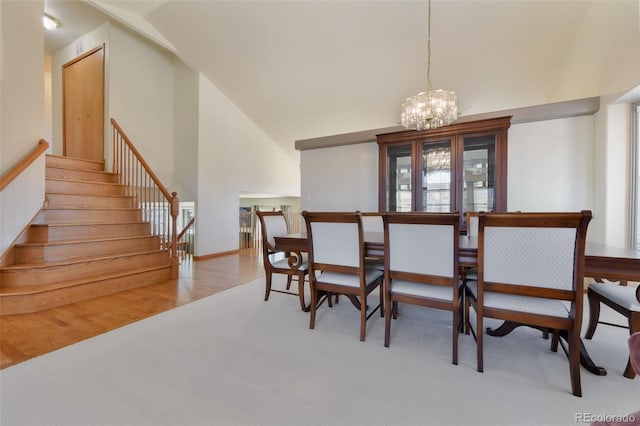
(601, 261)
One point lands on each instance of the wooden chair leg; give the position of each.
(456, 333)
(479, 342)
(387, 321)
(289, 278)
(634, 327)
(467, 326)
(594, 315)
(381, 287)
(574, 361)
(395, 310)
(363, 316)
(303, 305)
(554, 340)
(314, 303)
(267, 290)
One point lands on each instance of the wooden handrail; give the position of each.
(142, 161)
(159, 207)
(20, 167)
(189, 225)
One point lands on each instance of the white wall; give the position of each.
(234, 155)
(617, 175)
(23, 87)
(550, 165)
(141, 98)
(341, 178)
(549, 168)
(20, 202)
(48, 101)
(83, 44)
(22, 121)
(185, 131)
(139, 89)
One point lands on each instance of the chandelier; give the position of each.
(430, 109)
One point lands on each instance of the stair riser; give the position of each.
(86, 175)
(73, 163)
(52, 253)
(78, 232)
(28, 303)
(88, 201)
(12, 278)
(88, 216)
(83, 188)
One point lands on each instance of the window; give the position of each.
(461, 167)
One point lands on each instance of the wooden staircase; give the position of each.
(89, 240)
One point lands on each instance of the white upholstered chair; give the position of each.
(274, 225)
(421, 266)
(530, 267)
(623, 299)
(336, 260)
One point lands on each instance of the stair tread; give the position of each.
(91, 208)
(68, 157)
(52, 166)
(88, 195)
(40, 288)
(75, 260)
(92, 182)
(90, 224)
(87, 240)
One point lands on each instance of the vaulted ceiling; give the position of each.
(304, 69)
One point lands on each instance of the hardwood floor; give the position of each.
(26, 336)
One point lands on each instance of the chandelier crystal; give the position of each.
(430, 109)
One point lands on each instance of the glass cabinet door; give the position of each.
(479, 160)
(456, 168)
(399, 182)
(436, 176)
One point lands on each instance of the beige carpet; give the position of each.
(232, 359)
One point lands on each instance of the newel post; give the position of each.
(175, 210)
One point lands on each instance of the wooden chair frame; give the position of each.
(633, 317)
(294, 269)
(357, 295)
(392, 299)
(571, 324)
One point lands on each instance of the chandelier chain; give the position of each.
(433, 108)
(429, 47)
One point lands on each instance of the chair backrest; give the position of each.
(273, 224)
(526, 253)
(336, 241)
(422, 246)
(472, 224)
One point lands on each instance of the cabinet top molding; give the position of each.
(489, 124)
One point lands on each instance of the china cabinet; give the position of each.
(461, 167)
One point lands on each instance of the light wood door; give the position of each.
(83, 106)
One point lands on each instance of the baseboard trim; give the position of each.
(214, 255)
